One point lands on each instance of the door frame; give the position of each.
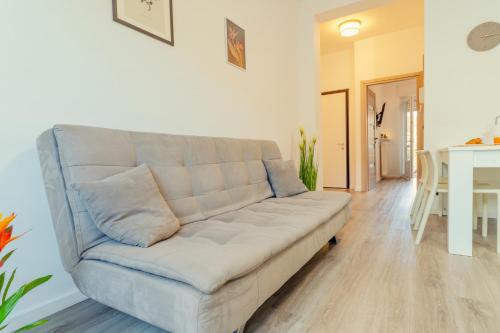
(348, 152)
(419, 76)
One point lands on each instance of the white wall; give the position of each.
(393, 124)
(337, 70)
(461, 85)
(68, 62)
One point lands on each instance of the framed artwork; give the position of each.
(151, 17)
(235, 45)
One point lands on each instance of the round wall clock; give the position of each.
(484, 37)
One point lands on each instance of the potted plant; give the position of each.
(9, 300)
(308, 171)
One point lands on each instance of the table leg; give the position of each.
(498, 222)
(484, 229)
(460, 177)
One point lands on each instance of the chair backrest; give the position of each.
(431, 170)
(423, 166)
(199, 177)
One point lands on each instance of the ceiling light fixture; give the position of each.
(349, 28)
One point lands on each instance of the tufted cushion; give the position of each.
(208, 254)
(200, 177)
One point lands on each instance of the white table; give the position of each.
(461, 161)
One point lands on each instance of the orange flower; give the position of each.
(6, 231)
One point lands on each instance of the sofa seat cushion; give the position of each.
(208, 254)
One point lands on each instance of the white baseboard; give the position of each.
(43, 310)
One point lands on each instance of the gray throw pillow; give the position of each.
(129, 208)
(283, 178)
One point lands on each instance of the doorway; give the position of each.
(395, 148)
(335, 134)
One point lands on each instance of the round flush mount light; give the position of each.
(350, 28)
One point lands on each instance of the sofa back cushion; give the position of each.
(199, 177)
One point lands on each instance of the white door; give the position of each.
(334, 140)
(411, 130)
(408, 141)
(372, 140)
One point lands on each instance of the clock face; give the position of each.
(484, 37)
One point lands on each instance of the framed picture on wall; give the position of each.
(154, 18)
(235, 45)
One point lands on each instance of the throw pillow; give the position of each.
(129, 208)
(283, 178)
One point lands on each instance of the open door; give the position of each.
(420, 117)
(372, 139)
(410, 125)
(335, 138)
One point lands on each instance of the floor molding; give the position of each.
(45, 309)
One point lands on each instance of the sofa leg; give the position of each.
(241, 329)
(333, 241)
(324, 249)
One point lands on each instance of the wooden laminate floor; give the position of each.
(374, 280)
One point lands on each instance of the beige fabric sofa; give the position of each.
(238, 244)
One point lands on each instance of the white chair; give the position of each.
(481, 191)
(417, 201)
(433, 186)
(429, 187)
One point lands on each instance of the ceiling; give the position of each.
(399, 15)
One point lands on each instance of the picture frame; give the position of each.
(154, 18)
(235, 45)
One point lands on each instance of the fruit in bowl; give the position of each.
(475, 141)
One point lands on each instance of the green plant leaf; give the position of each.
(6, 291)
(35, 283)
(31, 326)
(308, 169)
(9, 304)
(6, 257)
(3, 327)
(2, 280)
